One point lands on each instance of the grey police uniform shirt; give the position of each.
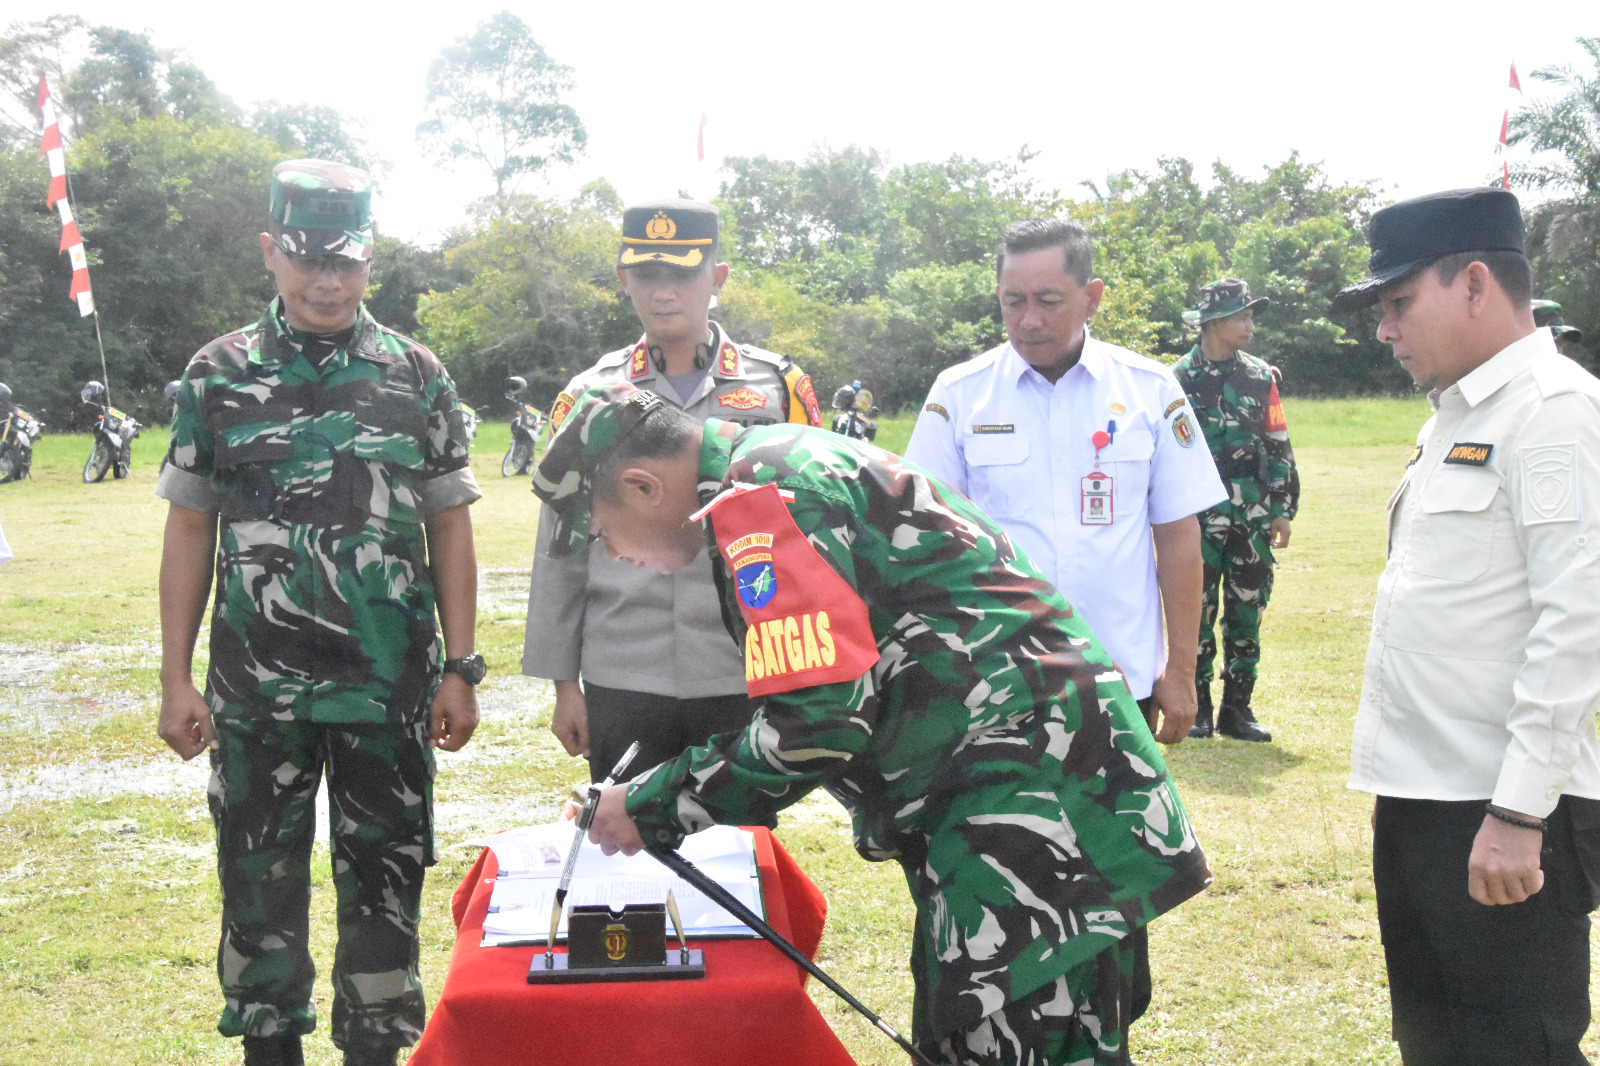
(622, 626)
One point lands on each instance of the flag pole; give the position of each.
(52, 147)
(99, 343)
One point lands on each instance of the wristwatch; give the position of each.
(471, 669)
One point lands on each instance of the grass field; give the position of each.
(108, 905)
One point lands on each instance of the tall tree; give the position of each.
(1564, 232)
(496, 97)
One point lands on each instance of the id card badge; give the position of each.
(1096, 500)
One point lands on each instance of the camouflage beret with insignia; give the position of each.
(600, 417)
(1221, 299)
(321, 208)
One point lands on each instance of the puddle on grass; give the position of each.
(27, 700)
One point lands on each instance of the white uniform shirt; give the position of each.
(1484, 663)
(1020, 447)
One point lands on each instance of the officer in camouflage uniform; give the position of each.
(1235, 397)
(908, 659)
(1548, 313)
(650, 649)
(334, 452)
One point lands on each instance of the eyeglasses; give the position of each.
(342, 265)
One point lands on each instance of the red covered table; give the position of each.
(751, 1006)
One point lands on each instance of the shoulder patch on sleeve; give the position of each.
(938, 410)
(806, 412)
(1175, 405)
(559, 411)
(1550, 484)
(807, 625)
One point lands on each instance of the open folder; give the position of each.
(531, 858)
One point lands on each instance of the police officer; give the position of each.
(1476, 729)
(334, 453)
(637, 655)
(1547, 313)
(905, 656)
(1235, 397)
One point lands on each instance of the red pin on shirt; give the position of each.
(1100, 439)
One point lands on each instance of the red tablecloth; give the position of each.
(750, 1007)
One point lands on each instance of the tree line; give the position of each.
(855, 267)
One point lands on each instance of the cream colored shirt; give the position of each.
(1484, 663)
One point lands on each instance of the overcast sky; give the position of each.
(1395, 91)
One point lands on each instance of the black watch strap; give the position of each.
(470, 669)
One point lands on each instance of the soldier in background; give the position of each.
(334, 452)
(1548, 313)
(650, 650)
(1235, 397)
(909, 659)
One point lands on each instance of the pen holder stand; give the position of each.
(625, 945)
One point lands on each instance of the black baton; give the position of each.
(724, 899)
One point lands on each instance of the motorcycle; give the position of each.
(526, 425)
(856, 409)
(18, 431)
(113, 436)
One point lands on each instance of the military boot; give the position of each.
(1234, 718)
(1201, 729)
(279, 1049)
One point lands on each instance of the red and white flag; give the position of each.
(71, 241)
(1505, 129)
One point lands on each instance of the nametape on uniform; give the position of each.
(1468, 453)
(1550, 484)
(1005, 427)
(1276, 422)
(1175, 405)
(742, 399)
(560, 409)
(807, 626)
(940, 411)
(1416, 453)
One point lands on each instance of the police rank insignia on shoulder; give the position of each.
(560, 409)
(639, 362)
(1183, 429)
(807, 625)
(728, 364)
(743, 399)
(940, 411)
(1469, 453)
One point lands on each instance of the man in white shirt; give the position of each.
(1090, 458)
(1476, 725)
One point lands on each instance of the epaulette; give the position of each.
(1134, 361)
(976, 365)
(1559, 374)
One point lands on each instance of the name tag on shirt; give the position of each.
(1096, 500)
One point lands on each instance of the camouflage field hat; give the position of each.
(680, 233)
(1221, 299)
(1548, 313)
(321, 208)
(601, 416)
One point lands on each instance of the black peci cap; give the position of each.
(1407, 236)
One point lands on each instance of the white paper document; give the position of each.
(531, 858)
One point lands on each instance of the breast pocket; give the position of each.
(997, 473)
(1456, 524)
(390, 427)
(1127, 460)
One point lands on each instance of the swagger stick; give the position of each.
(726, 900)
(585, 816)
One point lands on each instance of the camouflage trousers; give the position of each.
(264, 779)
(1079, 1019)
(1237, 553)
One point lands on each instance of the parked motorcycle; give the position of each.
(856, 409)
(526, 425)
(18, 431)
(113, 436)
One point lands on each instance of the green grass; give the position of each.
(108, 902)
